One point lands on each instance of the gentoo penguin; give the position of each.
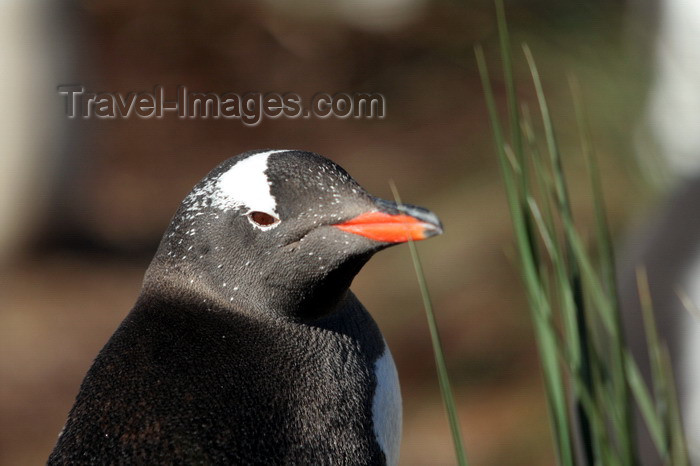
(246, 345)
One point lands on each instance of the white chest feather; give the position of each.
(386, 407)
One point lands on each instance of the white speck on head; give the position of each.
(386, 407)
(246, 185)
(63, 429)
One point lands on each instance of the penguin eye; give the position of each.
(262, 219)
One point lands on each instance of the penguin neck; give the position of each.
(312, 301)
(255, 295)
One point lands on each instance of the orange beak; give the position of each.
(410, 224)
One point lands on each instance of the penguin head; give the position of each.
(279, 233)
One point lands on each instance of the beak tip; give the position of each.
(431, 223)
(433, 229)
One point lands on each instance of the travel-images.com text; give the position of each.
(250, 108)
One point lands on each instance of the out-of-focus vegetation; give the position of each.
(576, 313)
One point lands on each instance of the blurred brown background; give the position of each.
(87, 200)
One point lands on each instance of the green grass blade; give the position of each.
(603, 307)
(516, 137)
(687, 302)
(679, 448)
(537, 298)
(573, 312)
(645, 404)
(507, 56)
(623, 401)
(662, 380)
(603, 236)
(654, 346)
(573, 355)
(441, 366)
(559, 180)
(542, 177)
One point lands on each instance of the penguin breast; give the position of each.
(386, 407)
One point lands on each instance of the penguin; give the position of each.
(246, 345)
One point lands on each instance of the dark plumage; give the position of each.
(246, 345)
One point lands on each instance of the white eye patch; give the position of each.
(246, 185)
